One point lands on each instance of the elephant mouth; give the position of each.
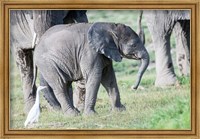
(132, 56)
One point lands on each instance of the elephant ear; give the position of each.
(102, 38)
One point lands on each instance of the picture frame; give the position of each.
(192, 5)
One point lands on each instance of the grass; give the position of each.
(146, 108)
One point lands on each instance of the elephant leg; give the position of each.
(92, 87)
(62, 95)
(49, 95)
(165, 75)
(59, 82)
(110, 84)
(160, 25)
(79, 95)
(24, 61)
(182, 35)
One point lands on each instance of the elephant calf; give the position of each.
(68, 53)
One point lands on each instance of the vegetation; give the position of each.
(146, 108)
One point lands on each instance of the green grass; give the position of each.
(146, 108)
(151, 108)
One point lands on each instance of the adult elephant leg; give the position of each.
(165, 74)
(182, 35)
(110, 84)
(79, 95)
(160, 25)
(24, 60)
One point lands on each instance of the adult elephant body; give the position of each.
(68, 53)
(161, 24)
(26, 28)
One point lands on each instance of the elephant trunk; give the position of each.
(142, 69)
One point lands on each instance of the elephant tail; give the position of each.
(140, 29)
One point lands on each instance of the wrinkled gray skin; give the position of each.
(68, 53)
(79, 92)
(24, 24)
(161, 24)
(182, 37)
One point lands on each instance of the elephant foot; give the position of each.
(53, 108)
(51, 99)
(72, 112)
(89, 112)
(166, 81)
(80, 108)
(29, 104)
(119, 109)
